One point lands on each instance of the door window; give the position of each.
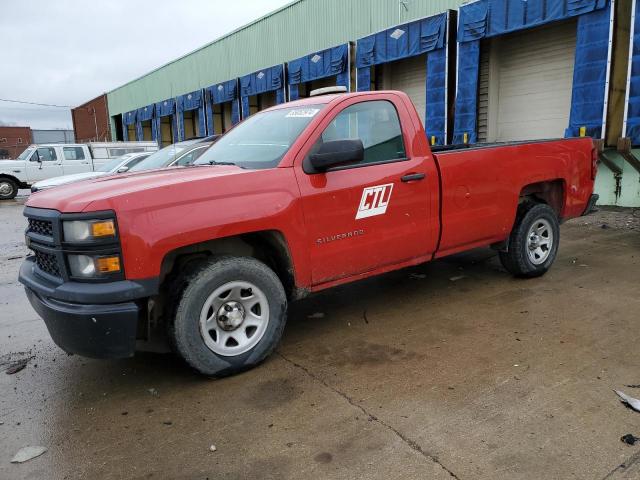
(73, 153)
(45, 154)
(376, 124)
(190, 157)
(136, 161)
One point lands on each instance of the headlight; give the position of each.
(89, 266)
(87, 230)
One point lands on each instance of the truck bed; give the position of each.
(481, 186)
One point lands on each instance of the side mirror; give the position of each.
(335, 153)
(123, 169)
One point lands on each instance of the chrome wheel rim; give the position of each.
(5, 188)
(539, 241)
(234, 318)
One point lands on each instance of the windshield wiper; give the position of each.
(213, 162)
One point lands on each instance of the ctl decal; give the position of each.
(375, 201)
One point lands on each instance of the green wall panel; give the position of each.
(291, 32)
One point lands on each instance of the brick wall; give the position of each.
(13, 141)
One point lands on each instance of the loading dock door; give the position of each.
(410, 76)
(530, 83)
(147, 130)
(166, 131)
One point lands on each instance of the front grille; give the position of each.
(47, 262)
(41, 227)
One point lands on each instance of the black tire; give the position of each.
(516, 259)
(8, 189)
(197, 286)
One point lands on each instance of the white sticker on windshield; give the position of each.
(303, 113)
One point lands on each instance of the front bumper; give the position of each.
(92, 320)
(95, 331)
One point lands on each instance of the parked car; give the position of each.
(117, 165)
(298, 198)
(43, 161)
(179, 154)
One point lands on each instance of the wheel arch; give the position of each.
(550, 192)
(19, 182)
(268, 246)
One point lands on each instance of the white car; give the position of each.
(43, 161)
(180, 154)
(117, 165)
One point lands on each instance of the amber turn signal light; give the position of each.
(108, 264)
(106, 228)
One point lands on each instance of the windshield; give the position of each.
(262, 140)
(111, 164)
(24, 155)
(159, 159)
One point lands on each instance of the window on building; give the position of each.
(19, 141)
(73, 153)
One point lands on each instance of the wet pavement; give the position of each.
(449, 370)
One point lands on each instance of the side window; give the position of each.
(73, 153)
(376, 123)
(189, 158)
(118, 152)
(45, 154)
(135, 161)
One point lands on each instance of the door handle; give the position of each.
(413, 177)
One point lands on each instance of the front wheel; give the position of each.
(229, 316)
(8, 189)
(533, 244)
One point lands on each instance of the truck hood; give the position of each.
(9, 166)
(101, 192)
(64, 179)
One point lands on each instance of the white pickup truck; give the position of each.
(39, 162)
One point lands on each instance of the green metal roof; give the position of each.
(292, 31)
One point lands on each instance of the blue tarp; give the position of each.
(326, 63)
(266, 80)
(428, 36)
(163, 109)
(222, 93)
(465, 120)
(128, 118)
(488, 18)
(590, 75)
(403, 41)
(633, 107)
(145, 114)
(188, 102)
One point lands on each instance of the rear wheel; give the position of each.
(229, 316)
(533, 244)
(8, 189)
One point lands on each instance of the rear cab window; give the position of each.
(73, 153)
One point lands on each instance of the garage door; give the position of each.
(409, 76)
(530, 79)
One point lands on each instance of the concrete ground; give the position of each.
(452, 369)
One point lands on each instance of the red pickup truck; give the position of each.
(297, 198)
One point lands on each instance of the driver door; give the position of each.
(377, 213)
(44, 163)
